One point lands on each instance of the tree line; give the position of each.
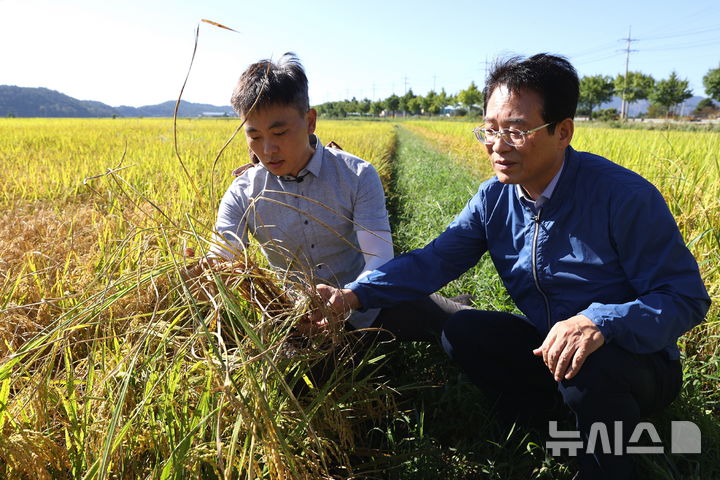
(664, 95)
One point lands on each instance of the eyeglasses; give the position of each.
(512, 137)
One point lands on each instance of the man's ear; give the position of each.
(311, 117)
(564, 131)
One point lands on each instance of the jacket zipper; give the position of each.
(536, 219)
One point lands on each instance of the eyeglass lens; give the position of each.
(511, 137)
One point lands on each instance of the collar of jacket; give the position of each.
(564, 189)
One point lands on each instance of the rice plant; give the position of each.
(112, 367)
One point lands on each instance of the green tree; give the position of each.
(711, 82)
(415, 105)
(392, 103)
(376, 108)
(404, 104)
(669, 93)
(428, 101)
(321, 109)
(705, 108)
(470, 97)
(637, 87)
(595, 90)
(441, 101)
(364, 106)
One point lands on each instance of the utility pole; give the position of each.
(434, 79)
(485, 71)
(624, 104)
(406, 83)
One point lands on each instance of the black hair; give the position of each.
(265, 84)
(551, 76)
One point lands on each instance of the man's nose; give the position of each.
(500, 145)
(269, 146)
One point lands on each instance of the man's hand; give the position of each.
(568, 344)
(339, 300)
(337, 303)
(198, 277)
(309, 325)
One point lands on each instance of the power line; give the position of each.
(485, 70)
(686, 33)
(688, 19)
(600, 52)
(599, 59)
(593, 51)
(683, 47)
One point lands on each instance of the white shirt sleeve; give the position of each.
(377, 249)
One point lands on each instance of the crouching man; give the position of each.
(589, 252)
(317, 212)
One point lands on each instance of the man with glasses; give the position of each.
(590, 254)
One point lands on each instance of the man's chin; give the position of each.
(276, 168)
(506, 179)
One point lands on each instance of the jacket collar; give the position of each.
(563, 188)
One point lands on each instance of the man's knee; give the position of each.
(488, 333)
(458, 332)
(601, 378)
(611, 374)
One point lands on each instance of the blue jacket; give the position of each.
(605, 245)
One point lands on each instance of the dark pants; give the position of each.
(495, 350)
(419, 320)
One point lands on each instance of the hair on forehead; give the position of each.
(267, 83)
(552, 77)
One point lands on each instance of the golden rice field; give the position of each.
(685, 166)
(56, 187)
(110, 368)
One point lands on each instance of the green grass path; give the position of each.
(427, 191)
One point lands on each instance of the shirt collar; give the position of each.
(315, 162)
(313, 166)
(545, 195)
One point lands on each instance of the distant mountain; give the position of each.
(43, 102)
(166, 109)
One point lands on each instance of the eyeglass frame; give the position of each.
(503, 134)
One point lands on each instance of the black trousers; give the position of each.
(420, 320)
(495, 350)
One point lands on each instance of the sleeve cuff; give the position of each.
(358, 291)
(603, 323)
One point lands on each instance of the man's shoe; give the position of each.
(463, 299)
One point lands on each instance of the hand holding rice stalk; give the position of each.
(261, 288)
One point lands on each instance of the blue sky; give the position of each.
(137, 52)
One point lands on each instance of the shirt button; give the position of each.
(306, 222)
